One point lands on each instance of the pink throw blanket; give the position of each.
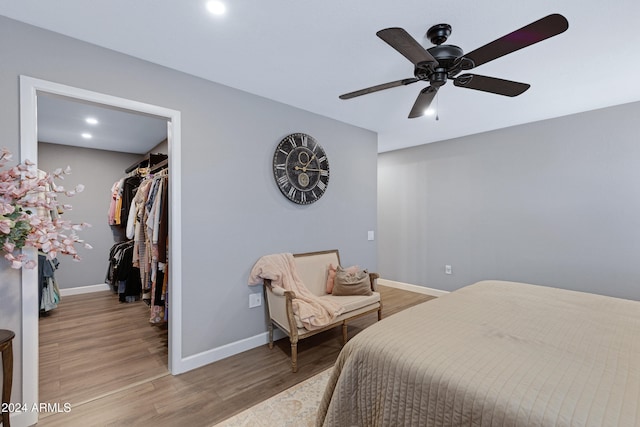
(312, 311)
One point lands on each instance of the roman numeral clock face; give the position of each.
(301, 168)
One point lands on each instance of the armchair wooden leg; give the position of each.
(344, 332)
(380, 314)
(294, 356)
(270, 328)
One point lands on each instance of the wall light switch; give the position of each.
(370, 235)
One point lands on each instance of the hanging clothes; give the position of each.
(122, 276)
(129, 189)
(156, 205)
(147, 226)
(49, 293)
(113, 205)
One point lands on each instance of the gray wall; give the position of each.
(555, 203)
(97, 170)
(162, 148)
(233, 212)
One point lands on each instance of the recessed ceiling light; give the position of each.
(87, 135)
(91, 120)
(216, 7)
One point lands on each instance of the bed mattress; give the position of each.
(493, 353)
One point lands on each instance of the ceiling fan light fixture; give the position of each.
(429, 112)
(216, 7)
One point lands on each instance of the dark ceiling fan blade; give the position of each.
(383, 86)
(535, 32)
(423, 101)
(402, 41)
(490, 84)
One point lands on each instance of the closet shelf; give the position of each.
(150, 161)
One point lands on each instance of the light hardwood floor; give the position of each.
(105, 359)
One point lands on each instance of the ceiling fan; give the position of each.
(444, 62)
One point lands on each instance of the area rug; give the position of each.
(295, 407)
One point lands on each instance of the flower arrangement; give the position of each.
(29, 213)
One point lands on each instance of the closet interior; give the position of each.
(138, 214)
(48, 290)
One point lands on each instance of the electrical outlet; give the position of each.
(447, 269)
(255, 300)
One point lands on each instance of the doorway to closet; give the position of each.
(31, 90)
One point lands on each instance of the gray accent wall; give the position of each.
(233, 212)
(97, 170)
(556, 203)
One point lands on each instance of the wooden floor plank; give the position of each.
(104, 358)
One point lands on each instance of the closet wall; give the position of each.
(97, 170)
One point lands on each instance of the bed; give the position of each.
(493, 353)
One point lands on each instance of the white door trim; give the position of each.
(29, 88)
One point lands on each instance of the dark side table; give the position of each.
(6, 347)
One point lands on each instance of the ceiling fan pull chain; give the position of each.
(437, 107)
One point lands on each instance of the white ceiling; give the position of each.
(63, 121)
(306, 53)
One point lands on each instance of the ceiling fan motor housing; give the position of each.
(447, 56)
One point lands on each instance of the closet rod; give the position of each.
(134, 166)
(163, 164)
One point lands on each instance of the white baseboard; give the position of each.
(206, 357)
(84, 289)
(23, 419)
(412, 288)
(210, 356)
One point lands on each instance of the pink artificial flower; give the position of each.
(5, 154)
(46, 246)
(16, 262)
(30, 264)
(22, 188)
(5, 226)
(6, 208)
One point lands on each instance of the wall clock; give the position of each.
(301, 168)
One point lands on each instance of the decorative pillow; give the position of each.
(331, 274)
(351, 283)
